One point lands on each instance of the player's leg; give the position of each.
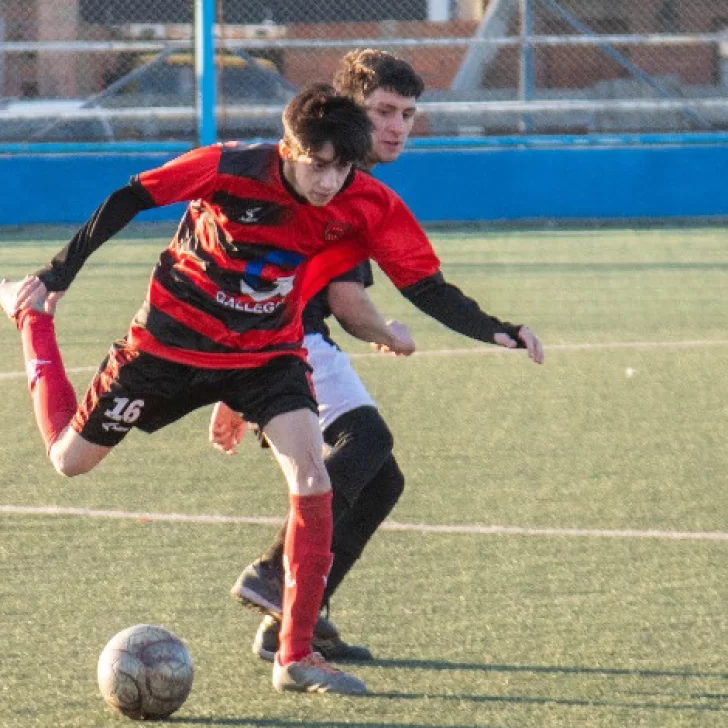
(130, 390)
(279, 398)
(338, 391)
(358, 443)
(355, 526)
(52, 395)
(297, 444)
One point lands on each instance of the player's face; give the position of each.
(317, 176)
(392, 116)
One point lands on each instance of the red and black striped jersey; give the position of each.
(229, 290)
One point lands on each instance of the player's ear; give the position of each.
(285, 151)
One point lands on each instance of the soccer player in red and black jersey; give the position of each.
(366, 480)
(267, 226)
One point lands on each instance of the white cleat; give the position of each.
(313, 674)
(8, 296)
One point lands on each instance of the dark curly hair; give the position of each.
(318, 115)
(363, 71)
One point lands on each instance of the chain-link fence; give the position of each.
(103, 70)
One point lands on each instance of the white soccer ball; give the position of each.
(145, 672)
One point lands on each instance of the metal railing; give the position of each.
(80, 71)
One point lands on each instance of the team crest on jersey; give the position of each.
(335, 231)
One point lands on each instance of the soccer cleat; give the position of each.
(9, 294)
(265, 644)
(313, 674)
(326, 641)
(260, 587)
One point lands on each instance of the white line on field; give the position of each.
(22, 375)
(690, 344)
(695, 344)
(387, 525)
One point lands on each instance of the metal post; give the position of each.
(205, 72)
(527, 75)
(3, 90)
(438, 10)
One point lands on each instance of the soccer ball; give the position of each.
(145, 672)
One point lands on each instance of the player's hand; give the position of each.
(533, 344)
(534, 347)
(52, 300)
(401, 342)
(33, 290)
(226, 429)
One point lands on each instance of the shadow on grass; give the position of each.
(546, 669)
(477, 699)
(704, 702)
(569, 702)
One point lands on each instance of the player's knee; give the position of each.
(314, 477)
(360, 444)
(307, 474)
(388, 485)
(396, 481)
(362, 432)
(67, 467)
(69, 464)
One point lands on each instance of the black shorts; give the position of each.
(136, 389)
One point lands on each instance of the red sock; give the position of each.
(54, 400)
(307, 558)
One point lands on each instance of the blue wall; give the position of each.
(615, 178)
(569, 183)
(67, 188)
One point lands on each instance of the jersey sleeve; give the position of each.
(361, 274)
(404, 253)
(191, 176)
(450, 306)
(398, 244)
(113, 215)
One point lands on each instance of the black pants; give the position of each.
(366, 483)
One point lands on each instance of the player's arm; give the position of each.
(187, 177)
(447, 304)
(114, 214)
(355, 311)
(404, 253)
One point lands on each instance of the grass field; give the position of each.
(559, 557)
